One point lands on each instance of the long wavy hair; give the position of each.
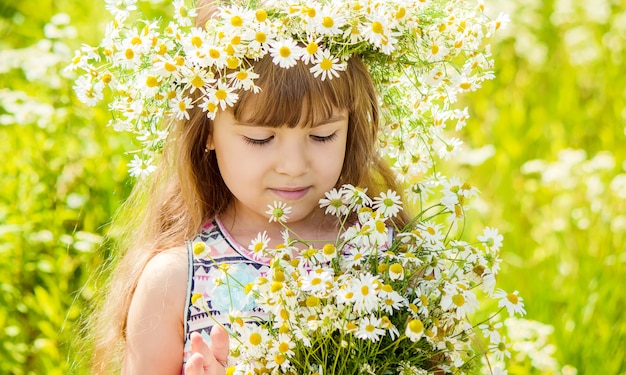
(187, 190)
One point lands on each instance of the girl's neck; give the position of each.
(315, 228)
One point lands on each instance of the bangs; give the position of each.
(291, 97)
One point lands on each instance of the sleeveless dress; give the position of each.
(211, 252)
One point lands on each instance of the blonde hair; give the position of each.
(187, 190)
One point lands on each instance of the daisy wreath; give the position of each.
(421, 55)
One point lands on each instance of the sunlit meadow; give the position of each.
(544, 146)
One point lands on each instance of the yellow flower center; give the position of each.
(215, 54)
(261, 15)
(283, 347)
(198, 248)
(396, 268)
(236, 21)
(377, 27)
(458, 300)
(197, 81)
(285, 51)
(312, 301)
(260, 37)
(416, 326)
(328, 22)
(129, 54)
(311, 48)
(196, 41)
(221, 94)
(328, 249)
(326, 64)
(255, 339)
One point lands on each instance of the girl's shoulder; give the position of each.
(165, 275)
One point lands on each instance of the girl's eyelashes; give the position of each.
(324, 139)
(257, 142)
(261, 142)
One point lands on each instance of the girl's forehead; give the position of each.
(261, 110)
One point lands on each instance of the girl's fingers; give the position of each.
(208, 360)
(194, 365)
(219, 339)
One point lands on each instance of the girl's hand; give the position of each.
(208, 360)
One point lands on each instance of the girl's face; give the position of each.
(261, 164)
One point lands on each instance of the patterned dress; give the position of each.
(210, 294)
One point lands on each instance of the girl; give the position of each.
(292, 141)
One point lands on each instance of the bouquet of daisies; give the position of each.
(378, 300)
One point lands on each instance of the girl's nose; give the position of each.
(292, 158)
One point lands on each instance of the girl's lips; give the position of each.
(290, 194)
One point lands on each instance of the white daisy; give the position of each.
(244, 79)
(278, 211)
(335, 203)
(512, 301)
(414, 329)
(180, 106)
(327, 66)
(141, 168)
(224, 95)
(370, 329)
(259, 244)
(285, 53)
(388, 204)
(491, 238)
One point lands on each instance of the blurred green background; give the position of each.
(545, 146)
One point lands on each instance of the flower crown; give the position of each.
(420, 54)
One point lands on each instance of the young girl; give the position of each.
(291, 141)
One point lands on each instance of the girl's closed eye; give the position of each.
(257, 142)
(323, 139)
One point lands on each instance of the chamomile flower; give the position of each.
(141, 168)
(120, 9)
(327, 66)
(285, 53)
(370, 329)
(491, 238)
(356, 196)
(87, 91)
(259, 245)
(182, 14)
(376, 31)
(317, 282)
(414, 329)
(278, 211)
(490, 331)
(311, 51)
(512, 301)
(502, 349)
(223, 94)
(365, 289)
(180, 106)
(280, 350)
(335, 203)
(128, 55)
(388, 204)
(244, 79)
(329, 22)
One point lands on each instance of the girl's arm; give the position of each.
(154, 332)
